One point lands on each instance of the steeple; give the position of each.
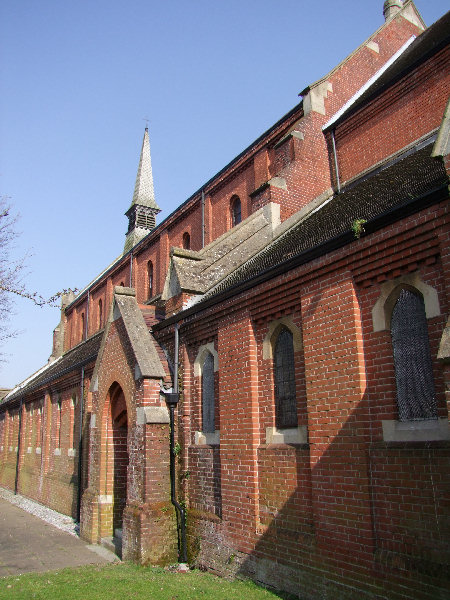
(143, 210)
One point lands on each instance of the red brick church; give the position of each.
(259, 384)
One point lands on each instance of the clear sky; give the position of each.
(78, 79)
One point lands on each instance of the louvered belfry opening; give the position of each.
(412, 359)
(142, 217)
(284, 365)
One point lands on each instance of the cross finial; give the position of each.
(146, 122)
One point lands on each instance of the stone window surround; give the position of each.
(201, 438)
(427, 430)
(288, 435)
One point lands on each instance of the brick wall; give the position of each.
(411, 108)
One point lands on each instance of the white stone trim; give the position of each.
(432, 430)
(211, 439)
(272, 330)
(201, 355)
(104, 499)
(152, 414)
(38, 450)
(71, 452)
(373, 46)
(380, 318)
(289, 435)
(57, 451)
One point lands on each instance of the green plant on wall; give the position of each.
(358, 227)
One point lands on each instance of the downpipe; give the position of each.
(172, 399)
(80, 447)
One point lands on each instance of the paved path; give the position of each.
(29, 544)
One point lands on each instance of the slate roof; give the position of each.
(77, 357)
(402, 181)
(139, 336)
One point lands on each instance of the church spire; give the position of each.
(143, 210)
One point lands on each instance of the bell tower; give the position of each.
(143, 210)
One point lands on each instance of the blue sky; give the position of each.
(78, 79)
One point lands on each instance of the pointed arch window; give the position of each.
(149, 280)
(208, 395)
(412, 358)
(236, 212)
(284, 375)
(100, 313)
(83, 327)
(186, 241)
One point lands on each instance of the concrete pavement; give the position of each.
(29, 544)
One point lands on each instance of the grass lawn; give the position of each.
(127, 581)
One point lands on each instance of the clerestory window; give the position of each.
(186, 241)
(149, 280)
(236, 213)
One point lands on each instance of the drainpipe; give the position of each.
(80, 446)
(203, 219)
(172, 400)
(336, 166)
(16, 482)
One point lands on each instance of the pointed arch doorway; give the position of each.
(115, 462)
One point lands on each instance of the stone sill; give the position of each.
(207, 439)
(435, 430)
(289, 435)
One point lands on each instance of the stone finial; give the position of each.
(391, 8)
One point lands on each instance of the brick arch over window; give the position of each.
(235, 210)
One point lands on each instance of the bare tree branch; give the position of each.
(12, 272)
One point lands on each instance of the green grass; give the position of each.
(127, 581)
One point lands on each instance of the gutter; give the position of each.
(376, 223)
(44, 382)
